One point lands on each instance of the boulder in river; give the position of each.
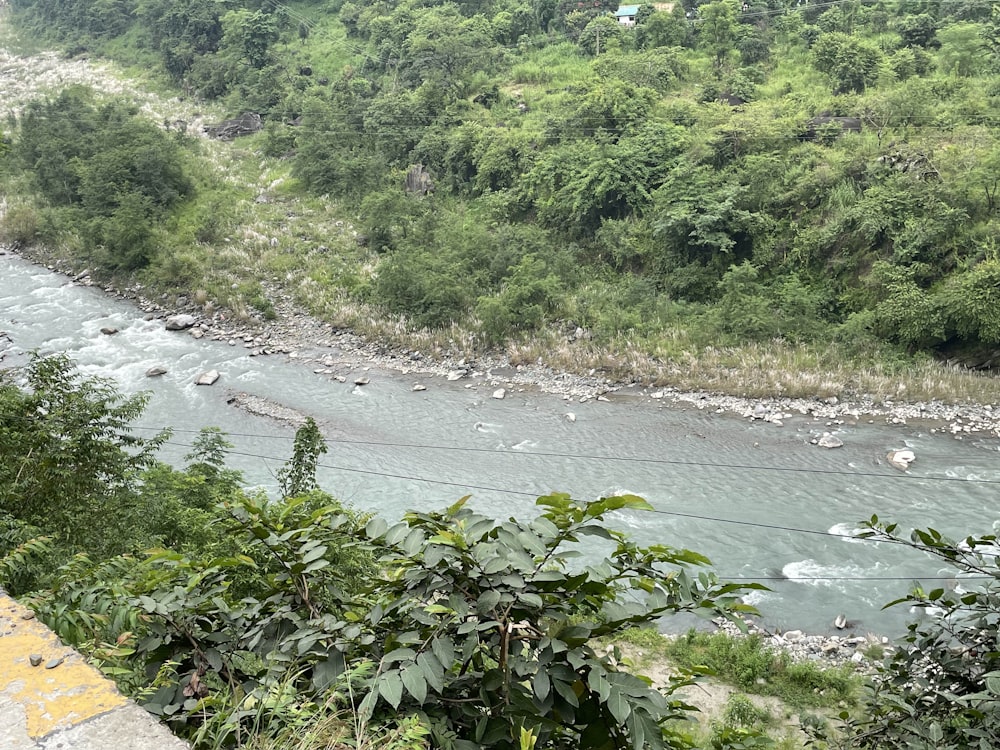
(419, 387)
(500, 393)
(901, 459)
(109, 330)
(207, 378)
(827, 440)
(156, 370)
(180, 322)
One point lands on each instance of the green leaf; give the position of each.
(935, 731)
(390, 687)
(494, 566)
(531, 600)
(541, 685)
(566, 692)
(376, 527)
(618, 705)
(432, 671)
(487, 601)
(617, 502)
(399, 654)
(600, 686)
(414, 682)
(444, 650)
(413, 542)
(328, 670)
(993, 685)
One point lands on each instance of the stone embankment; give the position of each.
(51, 699)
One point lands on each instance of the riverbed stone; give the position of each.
(207, 378)
(109, 330)
(155, 371)
(499, 393)
(419, 387)
(828, 440)
(456, 374)
(901, 459)
(180, 322)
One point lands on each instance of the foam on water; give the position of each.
(848, 532)
(832, 575)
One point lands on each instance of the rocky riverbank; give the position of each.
(336, 352)
(863, 651)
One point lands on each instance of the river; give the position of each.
(758, 499)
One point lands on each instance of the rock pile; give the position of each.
(861, 650)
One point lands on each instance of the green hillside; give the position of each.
(817, 178)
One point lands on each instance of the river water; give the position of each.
(756, 498)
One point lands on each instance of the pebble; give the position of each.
(35, 659)
(53, 663)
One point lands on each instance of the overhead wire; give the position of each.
(597, 457)
(533, 494)
(694, 516)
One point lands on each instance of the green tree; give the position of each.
(602, 34)
(298, 476)
(852, 64)
(68, 460)
(918, 30)
(484, 627)
(248, 35)
(717, 32)
(663, 29)
(941, 687)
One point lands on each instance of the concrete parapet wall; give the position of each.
(51, 699)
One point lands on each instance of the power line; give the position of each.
(668, 513)
(594, 457)
(507, 491)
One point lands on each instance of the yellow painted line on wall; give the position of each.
(55, 698)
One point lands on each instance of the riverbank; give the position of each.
(333, 351)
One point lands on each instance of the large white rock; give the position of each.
(207, 378)
(829, 441)
(901, 459)
(180, 322)
(499, 393)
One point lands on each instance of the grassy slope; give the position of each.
(252, 223)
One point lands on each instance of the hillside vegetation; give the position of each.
(813, 179)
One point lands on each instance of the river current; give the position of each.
(758, 499)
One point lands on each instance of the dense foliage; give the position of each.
(941, 688)
(718, 173)
(239, 618)
(104, 170)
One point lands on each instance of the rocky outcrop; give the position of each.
(246, 124)
(833, 649)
